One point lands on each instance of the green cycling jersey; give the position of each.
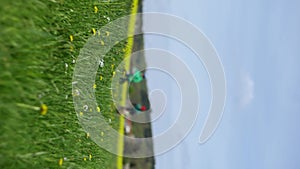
(136, 77)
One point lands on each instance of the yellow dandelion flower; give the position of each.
(107, 33)
(71, 48)
(96, 9)
(114, 73)
(84, 158)
(87, 135)
(43, 109)
(94, 31)
(90, 156)
(94, 86)
(101, 78)
(80, 113)
(71, 38)
(76, 92)
(60, 162)
(102, 43)
(98, 109)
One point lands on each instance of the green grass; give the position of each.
(35, 47)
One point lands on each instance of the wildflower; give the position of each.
(94, 86)
(114, 73)
(60, 162)
(107, 33)
(108, 19)
(71, 48)
(71, 38)
(94, 31)
(90, 157)
(102, 133)
(101, 78)
(98, 109)
(43, 109)
(76, 92)
(102, 43)
(101, 62)
(96, 9)
(80, 113)
(84, 158)
(85, 107)
(87, 135)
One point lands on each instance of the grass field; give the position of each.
(39, 43)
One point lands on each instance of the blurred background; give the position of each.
(258, 44)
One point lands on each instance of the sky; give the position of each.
(258, 44)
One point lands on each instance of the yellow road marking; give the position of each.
(131, 29)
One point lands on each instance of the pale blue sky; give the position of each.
(258, 42)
